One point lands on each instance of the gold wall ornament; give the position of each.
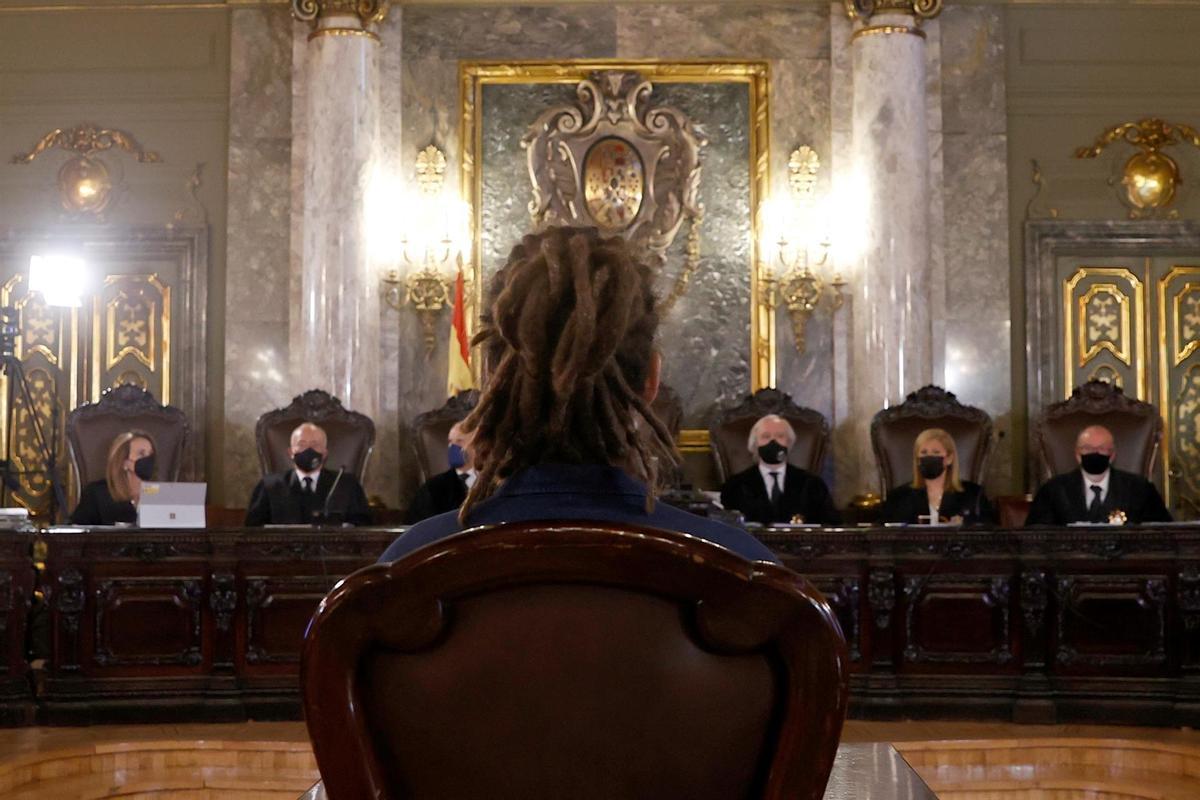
(800, 284)
(1149, 177)
(85, 184)
(615, 161)
(367, 12)
(920, 9)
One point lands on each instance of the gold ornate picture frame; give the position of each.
(476, 78)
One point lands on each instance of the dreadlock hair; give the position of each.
(568, 339)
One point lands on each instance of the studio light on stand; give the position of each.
(60, 280)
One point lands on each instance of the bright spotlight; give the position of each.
(60, 279)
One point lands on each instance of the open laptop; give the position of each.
(172, 505)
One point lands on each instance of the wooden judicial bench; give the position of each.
(1039, 625)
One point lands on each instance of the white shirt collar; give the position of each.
(468, 476)
(1089, 481)
(767, 470)
(315, 475)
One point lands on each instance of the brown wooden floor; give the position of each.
(271, 761)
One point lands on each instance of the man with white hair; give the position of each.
(1097, 491)
(308, 493)
(773, 490)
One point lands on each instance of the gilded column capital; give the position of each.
(321, 14)
(918, 9)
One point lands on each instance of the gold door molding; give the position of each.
(1104, 337)
(1179, 378)
(474, 76)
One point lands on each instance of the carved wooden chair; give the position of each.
(583, 660)
(731, 428)
(351, 435)
(1136, 427)
(894, 430)
(92, 427)
(431, 428)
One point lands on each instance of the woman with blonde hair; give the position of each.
(936, 493)
(113, 499)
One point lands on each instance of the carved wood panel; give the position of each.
(1111, 620)
(278, 609)
(152, 621)
(957, 619)
(843, 595)
(1104, 319)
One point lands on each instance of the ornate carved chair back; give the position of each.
(92, 427)
(730, 430)
(431, 428)
(473, 668)
(351, 435)
(893, 431)
(1136, 427)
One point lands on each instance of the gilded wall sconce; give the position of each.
(1149, 177)
(85, 184)
(801, 248)
(429, 251)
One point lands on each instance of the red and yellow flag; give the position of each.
(458, 376)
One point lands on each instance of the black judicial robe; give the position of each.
(1061, 500)
(906, 504)
(803, 493)
(279, 499)
(97, 507)
(441, 493)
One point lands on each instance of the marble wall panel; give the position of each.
(977, 296)
(257, 353)
(477, 33)
(716, 31)
(258, 235)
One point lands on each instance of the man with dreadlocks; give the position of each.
(563, 428)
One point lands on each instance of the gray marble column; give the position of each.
(339, 311)
(892, 332)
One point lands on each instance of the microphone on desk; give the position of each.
(329, 494)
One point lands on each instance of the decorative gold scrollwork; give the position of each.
(1187, 322)
(136, 332)
(87, 140)
(1149, 176)
(617, 162)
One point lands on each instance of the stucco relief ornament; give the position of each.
(614, 161)
(368, 12)
(865, 9)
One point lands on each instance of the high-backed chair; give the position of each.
(431, 428)
(894, 430)
(351, 435)
(92, 427)
(1136, 428)
(581, 660)
(730, 431)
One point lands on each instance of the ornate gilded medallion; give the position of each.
(613, 182)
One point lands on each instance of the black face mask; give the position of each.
(307, 459)
(931, 467)
(1094, 463)
(772, 452)
(144, 467)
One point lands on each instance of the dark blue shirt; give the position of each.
(582, 492)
